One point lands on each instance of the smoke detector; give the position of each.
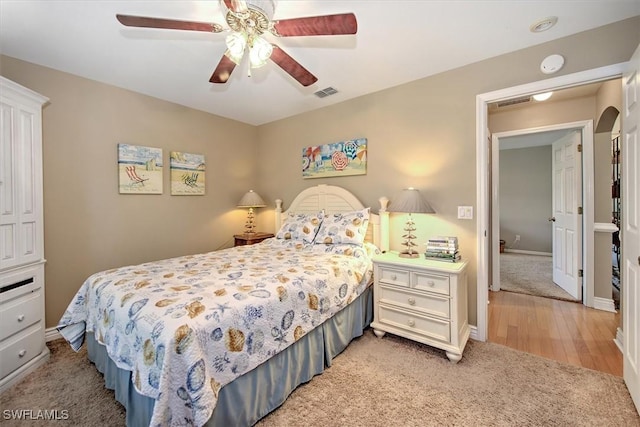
(552, 64)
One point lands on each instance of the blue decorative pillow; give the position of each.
(300, 227)
(347, 227)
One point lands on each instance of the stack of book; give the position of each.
(443, 248)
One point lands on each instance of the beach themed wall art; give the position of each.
(337, 159)
(187, 174)
(139, 169)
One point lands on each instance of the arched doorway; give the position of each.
(608, 203)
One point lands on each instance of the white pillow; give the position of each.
(300, 227)
(346, 227)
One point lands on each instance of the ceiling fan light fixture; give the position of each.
(248, 21)
(259, 52)
(236, 43)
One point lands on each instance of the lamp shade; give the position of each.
(251, 199)
(410, 201)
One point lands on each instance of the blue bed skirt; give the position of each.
(252, 396)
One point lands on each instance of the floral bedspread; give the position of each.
(187, 326)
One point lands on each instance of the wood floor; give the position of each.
(564, 331)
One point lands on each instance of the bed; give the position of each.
(223, 338)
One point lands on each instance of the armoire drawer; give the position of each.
(16, 352)
(20, 313)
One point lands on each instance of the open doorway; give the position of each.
(533, 223)
(537, 253)
(484, 187)
(608, 160)
(532, 198)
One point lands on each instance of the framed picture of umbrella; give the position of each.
(336, 159)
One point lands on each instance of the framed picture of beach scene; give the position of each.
(139, 169)
(336, 159)
(187, 174)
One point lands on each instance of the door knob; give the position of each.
(552, 218)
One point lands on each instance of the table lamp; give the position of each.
(409, 201)
(251, 200)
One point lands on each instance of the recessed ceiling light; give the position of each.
(542, 96)
(543, 24)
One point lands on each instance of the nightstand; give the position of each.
(250, 238)
(423, 300)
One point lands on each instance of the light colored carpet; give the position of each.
(378, 382)
(531, 275)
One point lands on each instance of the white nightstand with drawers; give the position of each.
(422, 300)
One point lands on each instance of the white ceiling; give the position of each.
(397, 42)
(537, 139)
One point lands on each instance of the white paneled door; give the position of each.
(565, 219)
(630, 266)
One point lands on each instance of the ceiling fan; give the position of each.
(248, 21)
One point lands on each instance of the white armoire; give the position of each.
(22, 338)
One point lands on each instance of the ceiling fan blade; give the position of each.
(223, 70)
(293, 67)
(325, 25)
(237, 6)
(171, 24)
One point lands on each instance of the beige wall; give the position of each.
(543, 114)
(420, 134)
(525, 198)
(89, 226)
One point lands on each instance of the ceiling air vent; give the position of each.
(325, 92)
(514, 101)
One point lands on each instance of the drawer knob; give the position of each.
(21, 318)
(411, 322)
(22, 353)
(412, 301)
(394, 277)
(431, 283)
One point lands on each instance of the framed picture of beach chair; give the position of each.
(187, 174)
(139, 169)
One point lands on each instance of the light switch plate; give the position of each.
(465, 212)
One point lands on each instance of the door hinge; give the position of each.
(579, 210)
(580, 273)
(579, 148)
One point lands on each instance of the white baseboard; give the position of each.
(619, 341)
(520, 251)
(51, 334)
(473, 332)
(605, 304)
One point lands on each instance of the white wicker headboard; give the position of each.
(331, 199)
